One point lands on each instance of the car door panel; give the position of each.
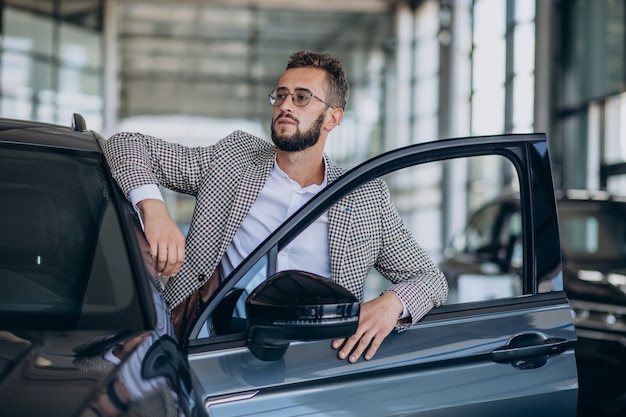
(509, 356)
(412, 373)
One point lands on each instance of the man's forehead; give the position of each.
(309, 78)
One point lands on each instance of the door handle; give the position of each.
(529, 351)
(229, 398)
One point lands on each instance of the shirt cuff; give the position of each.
(405, 312)
(144, 192)
(141, 193)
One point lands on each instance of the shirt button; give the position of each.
(201, 277)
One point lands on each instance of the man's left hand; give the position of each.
(377, 319)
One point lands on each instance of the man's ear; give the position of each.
(333, 118)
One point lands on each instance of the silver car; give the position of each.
(84, 330)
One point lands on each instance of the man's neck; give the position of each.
(305, 167)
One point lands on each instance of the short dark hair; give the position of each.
(338, 90)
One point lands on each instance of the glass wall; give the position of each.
(614, 128)
(502, 97)
(503, 65)
(51, 61)
(588, 89)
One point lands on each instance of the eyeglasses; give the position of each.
(300, 96)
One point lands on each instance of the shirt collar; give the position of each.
(313, 188)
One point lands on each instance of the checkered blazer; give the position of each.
(365, 229)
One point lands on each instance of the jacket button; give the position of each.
(201, 277)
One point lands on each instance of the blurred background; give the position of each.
(192, 71)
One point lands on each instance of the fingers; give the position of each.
(167, 242)
(338, 342)
(169, 257)
(353, 347)
(377, 319)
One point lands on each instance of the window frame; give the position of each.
(527, 153)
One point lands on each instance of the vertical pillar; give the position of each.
(110, 81)
(543, 90)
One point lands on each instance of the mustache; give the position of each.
(286, 115)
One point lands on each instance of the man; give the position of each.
(245, 187)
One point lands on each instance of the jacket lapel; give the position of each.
(339, 227)
(253, 178)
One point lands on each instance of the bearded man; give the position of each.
(245, 187)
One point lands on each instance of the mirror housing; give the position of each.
(295, 305)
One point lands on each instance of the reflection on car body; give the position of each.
(84, 330)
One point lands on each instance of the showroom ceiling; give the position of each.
(221, 58)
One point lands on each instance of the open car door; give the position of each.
(502, 345)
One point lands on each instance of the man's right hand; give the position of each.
(167, 242)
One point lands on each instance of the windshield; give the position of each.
(593, 230)
(63, 258)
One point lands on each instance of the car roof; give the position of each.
(48, 135)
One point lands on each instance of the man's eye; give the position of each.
(281, 96)
(303, 96)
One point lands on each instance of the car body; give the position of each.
(86, 332)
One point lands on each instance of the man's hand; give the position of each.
(378, 318)
(167, 242)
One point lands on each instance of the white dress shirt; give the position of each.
(280, 198)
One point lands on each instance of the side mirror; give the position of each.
(294, 305)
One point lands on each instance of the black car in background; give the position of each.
(592, 228)
(593, 240)
(85, 332)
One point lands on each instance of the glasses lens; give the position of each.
(301, 96)
(278, 96)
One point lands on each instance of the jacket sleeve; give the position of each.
(136, 159)
(415, 278)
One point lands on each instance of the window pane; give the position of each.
(593, 230)
(79, 47)
(488, 112)
(485, 260)
(489, 20)
(62, 249)
(523, 103)
(489, 63)
(524, 60)
(27, 33)
(524, 10)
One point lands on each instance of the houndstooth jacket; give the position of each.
(365, 229)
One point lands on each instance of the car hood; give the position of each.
(597, 287)
(77, 373)
(97, 373)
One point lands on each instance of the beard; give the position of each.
(299, 141)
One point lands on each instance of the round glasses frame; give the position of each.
(300, 96)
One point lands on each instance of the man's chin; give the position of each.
(284, 145)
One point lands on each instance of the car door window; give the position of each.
(63, 259)
(230, 315)
(493, 238)
(488, 254)
(480, 231)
